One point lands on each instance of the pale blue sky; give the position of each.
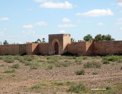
(27, 20)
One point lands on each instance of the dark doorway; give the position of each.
(56, 48)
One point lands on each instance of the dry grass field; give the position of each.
(60, 75)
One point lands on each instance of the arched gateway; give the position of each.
(56, 48)
(58, 43)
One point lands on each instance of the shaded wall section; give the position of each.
(31, 48)
(107, 48)
(89, 48)
(77, 48)
(43, 48)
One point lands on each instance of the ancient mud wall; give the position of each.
(107, 48)
(17, 49)
(77, 48)
(95, 48)
(9, 49)
(43, 48)
(89, 48)
(22, 49)
(32, 49)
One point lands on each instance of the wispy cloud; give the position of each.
(42, 24)
(35, 25)
(119, 2)
(53, 4)
(40, 1)
(100, 24)
(28, 26)
(66, 25)
(97, 12)
(66, 20)
(4, 18)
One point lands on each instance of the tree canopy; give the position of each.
(98, 37)
(88, 37)
(5, 42)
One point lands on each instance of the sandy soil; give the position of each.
(24, 78)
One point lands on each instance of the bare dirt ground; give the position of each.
(20, 78)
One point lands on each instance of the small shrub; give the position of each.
(108, 88)
(34, 65)
(94, 73)
(76, 88)
(78, 60)
(49, 67)
(51, 61)
(38, 86)
(28, 58)
(8, 60)
(16, 66)
(80, 72)
(92, 65)
(26, 63)
(106, 62)
(62, 64)
(2, 65)
(85, 57)
(9, 71)
(58, 84)
(13, 75)
(112, 58)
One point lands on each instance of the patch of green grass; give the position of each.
(38, 87)
(106, 62)
(80, 72)
(62, 64)
(9, 71)
(58, 84)
(112, 58)
(78, 60)
(15, 66)
(77, 88)
(2, 65)
(34, 65)
(92, 65)
(114, 89)
(8, 59)
(49, 67)
(28, 58)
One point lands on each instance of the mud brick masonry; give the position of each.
(60, 44)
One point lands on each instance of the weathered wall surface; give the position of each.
(35, 49)
(66, 41)
(89, 48)
(22, 49)
(29, 48)
(9, 49)
(43, 48)
(77, 48)
(107, 47)
(52, 40)
(95, 48)
(32, 49)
